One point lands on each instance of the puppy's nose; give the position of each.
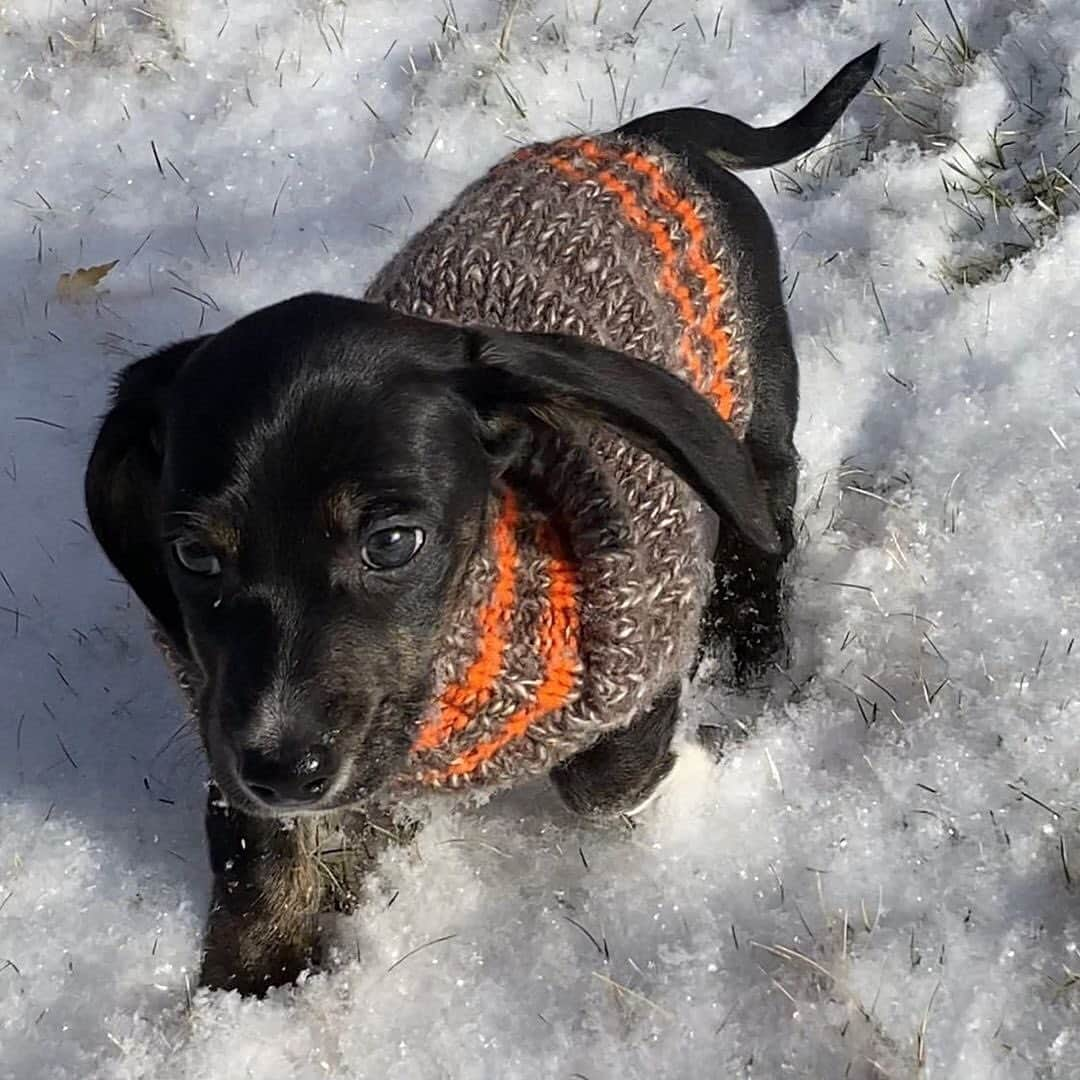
(289, 778)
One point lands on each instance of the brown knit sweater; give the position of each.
(585, 602)
(575, 618)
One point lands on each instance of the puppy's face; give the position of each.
(316, 519)
(295, 500)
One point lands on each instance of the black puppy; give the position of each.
(296, 500)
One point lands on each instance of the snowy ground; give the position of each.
(883, 877)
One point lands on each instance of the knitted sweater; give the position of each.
(584, 603)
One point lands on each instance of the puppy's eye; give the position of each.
(196, 558)
(390, 548)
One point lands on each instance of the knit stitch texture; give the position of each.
(584, 605)
(587, 602)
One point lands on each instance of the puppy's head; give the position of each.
(295, 498)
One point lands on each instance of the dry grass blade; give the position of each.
(794, 955)
(620, 989)
(920, 1042)
(420, 948)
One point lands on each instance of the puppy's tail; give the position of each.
(735, 145)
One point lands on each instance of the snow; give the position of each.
(880, 876)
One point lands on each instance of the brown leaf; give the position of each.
(80, 284)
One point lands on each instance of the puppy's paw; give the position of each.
(246, 956)
(661, 785)
(607, 788)
(253, 979)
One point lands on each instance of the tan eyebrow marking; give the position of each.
(340, 511)
(201, 524)
(222, 535)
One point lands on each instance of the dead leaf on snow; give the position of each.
(80, 284)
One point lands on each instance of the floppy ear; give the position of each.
(123, 479)
(652, 408)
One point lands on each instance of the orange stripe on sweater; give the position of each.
(460, 701)
(719, 389)
(660, 236)
(557, 645)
